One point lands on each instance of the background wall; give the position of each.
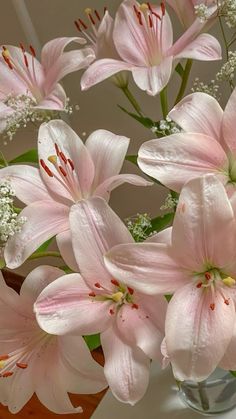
(36, 22)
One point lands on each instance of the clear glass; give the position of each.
(215, 395)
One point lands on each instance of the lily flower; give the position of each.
(32, 361)
(206, 145)
(131, 323)
(198, 270)
(143, 38)
(28, 83)
(69, 171)
(187, 11)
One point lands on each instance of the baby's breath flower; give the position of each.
(24, 111)
(210, 88)
(170, 203)
(227, 9)
(227, 71)
(139, 226)
(202, 12)
(10, 224)
(165, 127)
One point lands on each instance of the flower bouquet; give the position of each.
(145, 289)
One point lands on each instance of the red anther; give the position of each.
(115, 282)
(63, 157)
(111, 311)
(135, 306)
(4, 48)
(48, 171)
(92, 294)
(97, 285)
(91, 19)
(83, 24)
(63, 172)
(199, 285)
(41, 161)
(147, 317)
(77, 25)
(208, 276)
(150, 21)
(212, 306)
(156, 14)
(4, 357)
(26, 61)
(136, 10)
(57, 149)
(131, 291)
(22, 47)
(149, 6)
(105, 10)
(163, 8)
(21, 365)
(32, 50)
(7, 61)
(7, 374)
(226, 302)
(71, 164)
(138, 14)
(97, 14)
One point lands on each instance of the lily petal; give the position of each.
(153, 79)
(229, 124)
(64, 243)
(205, 47)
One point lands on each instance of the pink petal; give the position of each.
(228, 362)
(58, 132)
(176, 159)
(196, 335)
(64, 243)
(26, 182)
(95, 229)
(184, 10)
(200, 113)
(153, 79)
(10, 83)
(229, 124)
(163, 236)
(19, 391)
(77, 360)
(65, 307)
(56, 100)
(53, 50)
(105, 188)
(126, 368)
(205, 47)
(138, 330)
(108, 152)
(147, 267)
(203, 221)
(101, 70)
(105, 46)
(45, 219)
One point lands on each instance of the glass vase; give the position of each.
(217, 394)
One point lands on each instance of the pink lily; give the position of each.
(207, 144)
(22, 75)
(131, 324)
(98, 30)
(186, 11)
(199, 268)
(69, 171)
(33, 361)
(144, 40)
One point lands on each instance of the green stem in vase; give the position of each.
(203, 396)
(185, 78)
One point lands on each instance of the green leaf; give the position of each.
(30, 156)
(2, 263)
(44, 246)
(233, 373)
(133, 159)
(93, 341)
(161, 222)
(146, 122)
(168, 297)
(180, 70)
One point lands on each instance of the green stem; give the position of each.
(131, 99)
(226, 48)
(203, 397)
(185, 78)
(164, 102)
(44, 254)
(2, 158)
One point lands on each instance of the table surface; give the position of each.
(160, 402)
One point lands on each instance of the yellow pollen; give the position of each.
(88, 11)
(6, 53)
(143, 7)
(2, 364)
(117, 297)
(230, 282)
(52, 159)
